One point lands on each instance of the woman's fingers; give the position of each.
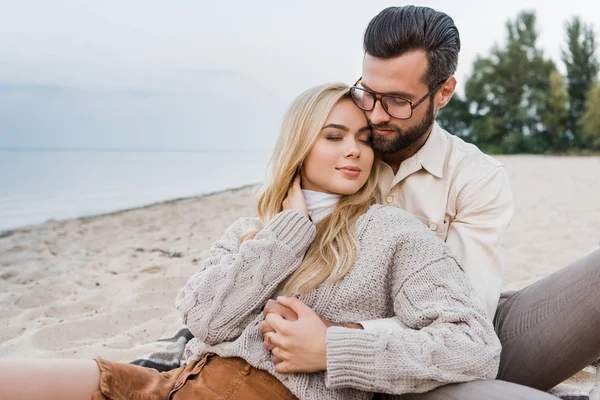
(295, 198)
(275, 360)
(281, 354)
(268, 345)
(295, 187)
(264, 327)
(283, 367)
(267, 330)
(273, 306)
(278, 340)
(290, 194)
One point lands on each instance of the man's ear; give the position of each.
(445, 93)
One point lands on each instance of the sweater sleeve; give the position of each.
(233, 285)
(446, 338)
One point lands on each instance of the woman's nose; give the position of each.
(353, 150)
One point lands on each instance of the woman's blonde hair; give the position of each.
(335, 247)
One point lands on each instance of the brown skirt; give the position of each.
(211, 378)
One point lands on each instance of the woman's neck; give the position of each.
(320, 204)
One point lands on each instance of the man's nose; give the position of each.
(378, 115)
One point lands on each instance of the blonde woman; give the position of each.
(322, 243)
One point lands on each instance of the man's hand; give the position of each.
(298, 345)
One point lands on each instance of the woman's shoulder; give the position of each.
(383, 214)
(405, 233)
(394, 221)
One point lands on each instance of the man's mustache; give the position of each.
(384, 127)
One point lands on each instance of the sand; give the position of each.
(104, 286)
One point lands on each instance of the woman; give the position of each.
(319, 236)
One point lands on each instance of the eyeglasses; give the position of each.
(396, 106)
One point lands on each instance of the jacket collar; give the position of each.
(433, 153)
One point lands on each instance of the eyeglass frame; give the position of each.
(379, 96)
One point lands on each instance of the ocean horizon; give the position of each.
(41, 184)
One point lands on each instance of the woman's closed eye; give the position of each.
(334, 137)
(365, 138)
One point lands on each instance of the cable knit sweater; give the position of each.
(402, 269)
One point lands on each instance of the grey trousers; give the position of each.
(549, 331)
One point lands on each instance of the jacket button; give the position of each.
(389, 199)
(433, 226)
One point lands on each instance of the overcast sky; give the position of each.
(199, 75)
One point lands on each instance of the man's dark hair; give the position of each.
(398, 30)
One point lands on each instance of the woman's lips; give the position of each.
(352, 173)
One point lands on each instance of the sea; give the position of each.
(36, 185)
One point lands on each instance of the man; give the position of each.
(549, 329)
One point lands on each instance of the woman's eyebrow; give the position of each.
(336, 126)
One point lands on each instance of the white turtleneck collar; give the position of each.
(320, 204)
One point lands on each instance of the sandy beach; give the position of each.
(104, 286)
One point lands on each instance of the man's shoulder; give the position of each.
(465, 160)
(461, 151)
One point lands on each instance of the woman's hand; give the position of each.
(295, 198)
(299, 345)
(288, 314)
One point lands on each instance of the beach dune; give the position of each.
(105, 286)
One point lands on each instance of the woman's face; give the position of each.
(340, 161)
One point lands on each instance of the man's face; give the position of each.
(400, 76)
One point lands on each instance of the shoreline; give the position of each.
(10, 231)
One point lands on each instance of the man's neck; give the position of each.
(395, 159)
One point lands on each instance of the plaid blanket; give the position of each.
(167, 353)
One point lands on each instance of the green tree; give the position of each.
(556, 114)
(508, 91)
(589, 123)
(582, 67)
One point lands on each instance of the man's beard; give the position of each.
(403, 139)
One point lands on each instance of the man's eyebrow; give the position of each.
(406, 95)
(336, 126)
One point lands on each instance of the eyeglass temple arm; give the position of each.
(436, 87)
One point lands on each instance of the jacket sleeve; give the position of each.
(233, 285)
(446, 337)
(477, 235)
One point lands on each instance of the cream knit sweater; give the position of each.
(402, 270)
